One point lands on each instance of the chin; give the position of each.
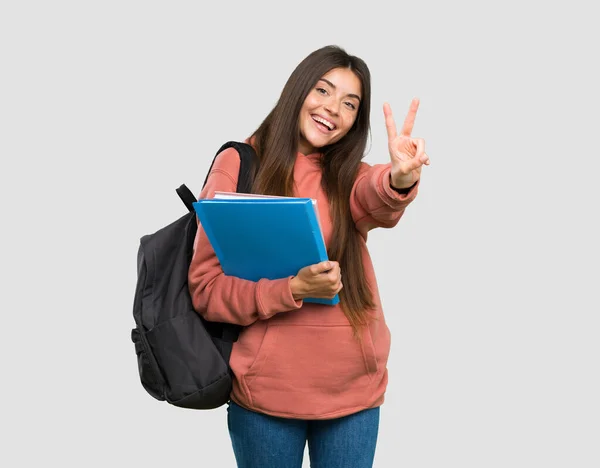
(316, 144)
(319, 141)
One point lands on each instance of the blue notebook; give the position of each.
(271, 237)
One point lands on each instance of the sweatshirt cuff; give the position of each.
(275, 296)
(388, 194)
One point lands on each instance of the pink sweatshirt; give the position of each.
(295, 359)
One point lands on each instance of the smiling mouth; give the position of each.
(323, 123)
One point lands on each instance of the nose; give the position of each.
(332, 106)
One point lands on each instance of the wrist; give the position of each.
(402, 186)
(296, 288)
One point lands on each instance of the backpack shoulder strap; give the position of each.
(248, 163)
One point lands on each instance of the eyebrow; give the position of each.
(333, 86)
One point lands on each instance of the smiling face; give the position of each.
(329, 110)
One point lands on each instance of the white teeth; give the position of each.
(328, 124)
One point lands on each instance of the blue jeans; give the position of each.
(263, 441)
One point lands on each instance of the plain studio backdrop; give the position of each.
(489, 282)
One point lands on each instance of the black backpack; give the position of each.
(182, 358)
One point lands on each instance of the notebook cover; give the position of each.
(264, 237)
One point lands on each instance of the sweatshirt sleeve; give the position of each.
(221, 298)
(373, 201)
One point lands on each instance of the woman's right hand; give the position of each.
(321, 280)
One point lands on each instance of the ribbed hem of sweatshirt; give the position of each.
(320, 407)
(275, 296)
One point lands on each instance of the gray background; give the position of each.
(489, 282)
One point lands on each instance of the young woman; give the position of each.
(304, 371)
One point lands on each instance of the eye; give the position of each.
(321, 91)
(350, 105)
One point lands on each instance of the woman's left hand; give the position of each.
(407, 153)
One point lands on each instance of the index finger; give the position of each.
(389, 121)
(409, 121)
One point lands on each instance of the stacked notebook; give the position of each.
(257, 236)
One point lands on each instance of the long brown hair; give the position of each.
(276, 142)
